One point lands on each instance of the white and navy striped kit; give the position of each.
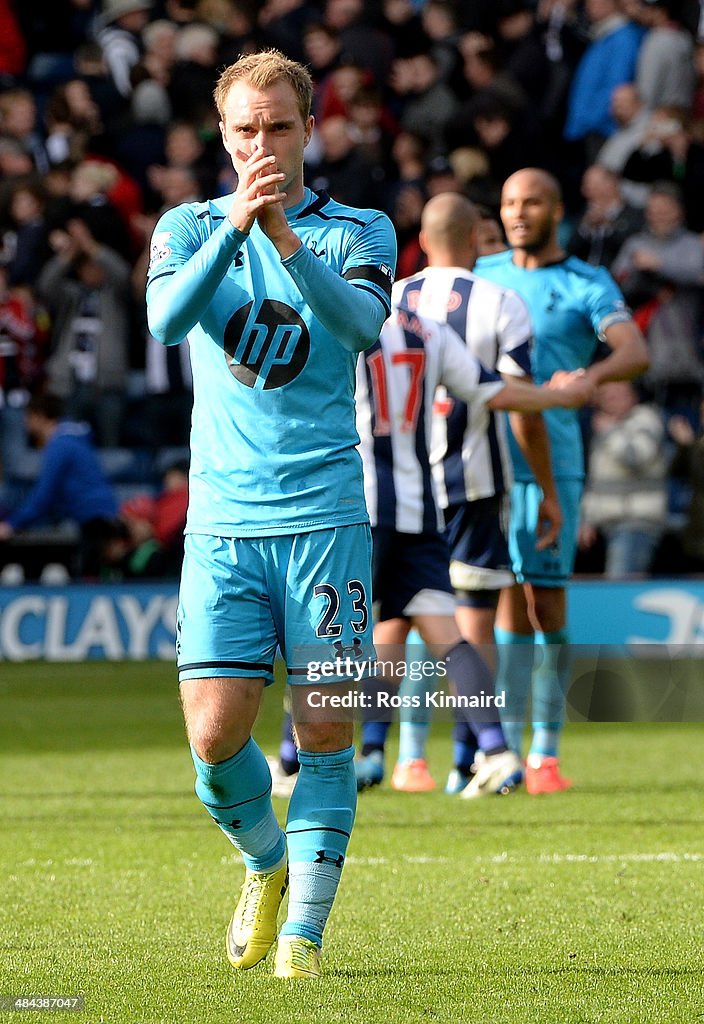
(396, 383)
(469, 452)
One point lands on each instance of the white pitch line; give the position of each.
(551, 858)
(610, 858)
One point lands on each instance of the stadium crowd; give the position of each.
(107, 120)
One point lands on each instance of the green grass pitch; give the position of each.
(581, 907)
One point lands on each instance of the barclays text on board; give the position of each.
(137, 622)
(83, 622)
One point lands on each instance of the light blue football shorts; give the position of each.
(552, 567)
(308, 594)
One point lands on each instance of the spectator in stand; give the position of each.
(18, 120)
(406, 215)
(470, 165)
(57, 188)
(71, 484)
(322, 53)
(439, 19)
(322, 48)
(608, 61)
(625, 495)
(92, 184)
(169, 385)
(507, 136)
(343, 172)
(688, 466)
(120, 38)
(54, 32)
(697, 110)
(564, 38)
(90, 65)
(86, 286)
(408, 153)
(193, 75)
(373, 129)
(497, 117)
(148, 536)
(13, 49)
(632, 118)
(23, 337)
(484, 73)
(490, 234)
(178, 185)
(335, 92)
(661, 271)
(361, 41)
(25, 246)
(428, 103)
(73, 122)
(16, 168)
(159, 41)
(440, 177)
(181, 12)
(402, 24)
(183, 148)
(668, 152)
(607, 222)
(524, 57)
(140, 144)
(665, 74)
(241, 33)
(407, 167)
(284, 24)
(168, 376)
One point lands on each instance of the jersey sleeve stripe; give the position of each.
(521, 356)
(619, 316)
(316, 209)
(165, 273)
(487, 376)
(382, 279)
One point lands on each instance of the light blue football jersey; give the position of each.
(273, 437)
(571, 305)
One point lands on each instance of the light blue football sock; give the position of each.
(414, 722)
(412, 740)
(237, 795)
(550, 684)
(514, 672)
(320, 818)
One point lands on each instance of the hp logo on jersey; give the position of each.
(269, 344)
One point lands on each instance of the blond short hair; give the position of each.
(260, 70)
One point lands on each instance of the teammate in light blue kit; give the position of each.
(278, 290)
(572, 306)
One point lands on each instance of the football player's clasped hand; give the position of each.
(257, 188)
(574, 384)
